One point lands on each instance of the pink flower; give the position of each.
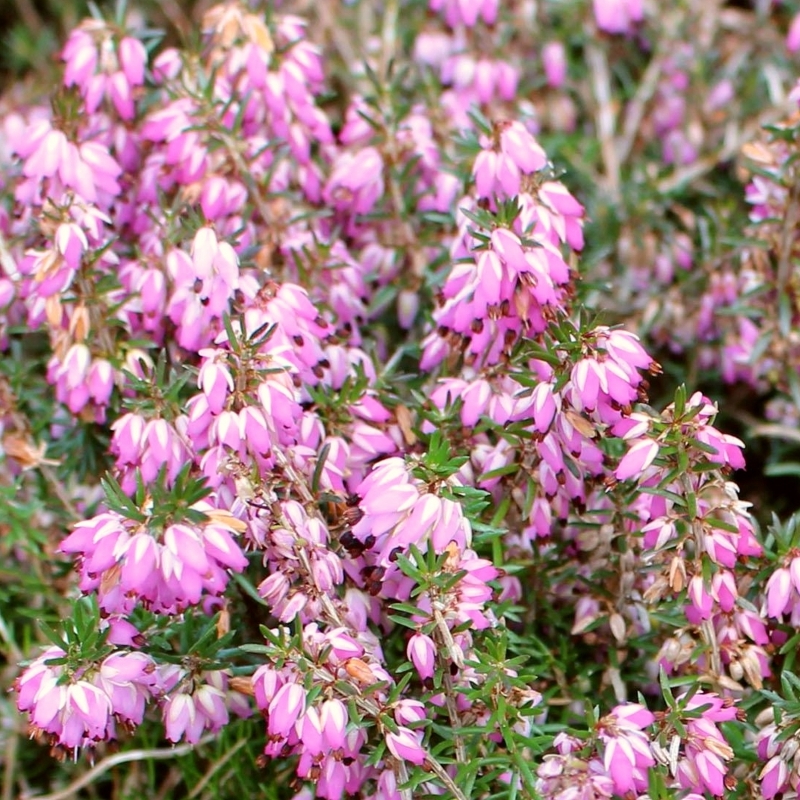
(586, 378)
(466, 12)
(356, 182)
(132, 57)
(399, 512)
(627, 754)
(421, 651)
(703, 766)
(181, 719)
(286, 708)
(637, 459)
(793, 36)
(779, 592)
(774, 777)
(500, 173)
(334, 719)
(724, 590)
(406, 745)
(408, 712)
(700, 597)
(165, 570)
(71, 242)
(554, 59)
(80, 711)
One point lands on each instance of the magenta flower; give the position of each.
(121, 67)
(774, 777)
(129, 680)
(356, 182)
(197, 704)
(500, 173)
(333, 720)
(325, 244)
(148, 446)
(703, 767)
(545, 406)
(466, 12)
(793, 36)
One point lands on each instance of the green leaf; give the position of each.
(319, 466)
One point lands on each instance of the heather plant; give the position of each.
(330, 466)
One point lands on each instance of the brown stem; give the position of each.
(337, 33)
(60, 491)
(29, 15)
(787, 235)
(215, 767)
(440, 773)
(446, 655)
(635, 111)
(605, 118)
(333, 616)
(389, 35)
(402, 780)
(115, 760)
(706, 629)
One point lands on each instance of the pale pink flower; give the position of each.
(779, 592)
(421, 651)
(554, 60)
(287, 706)
(793, 36)
(636, 461)
(406, 745)
(618, 16)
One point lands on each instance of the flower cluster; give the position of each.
(88, 706)
(628, 746)
(127, 562)
(329, 747)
